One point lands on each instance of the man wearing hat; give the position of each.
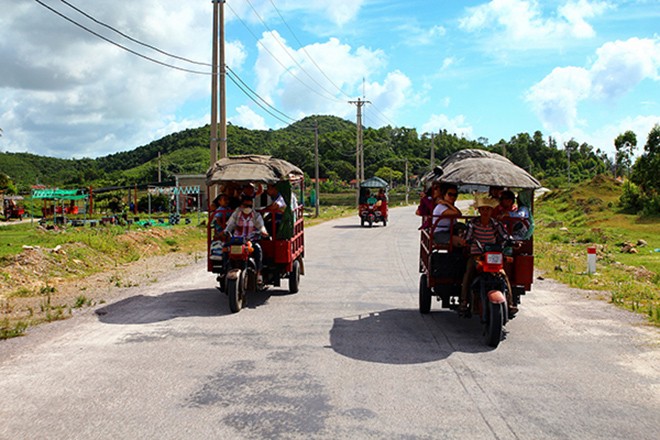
(486, 230)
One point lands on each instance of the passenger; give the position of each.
(381, 195)
(507, 205)
(248, 223)
(494, 192)
(446, 206)
(426, 205)
(277, 201)
(486, 230)
(220, 214)
(508, 213)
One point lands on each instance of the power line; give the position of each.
(383, 115)
(300, 45)
(286, 50)
(233, 77)
(287, 70)
(133, 39)
(153, 60)
(233, 74)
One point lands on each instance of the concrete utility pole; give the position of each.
(432, 152)
(407, 187)
(316, 166)
(359, 153)
(223, 72)
(214, 87)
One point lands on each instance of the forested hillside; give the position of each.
(385, 149)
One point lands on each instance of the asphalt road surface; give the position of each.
(349, 356)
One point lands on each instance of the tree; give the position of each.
(647, 167)
(387, 173)
(6, 184)
(625, 145)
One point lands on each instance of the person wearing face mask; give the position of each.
(247, 223)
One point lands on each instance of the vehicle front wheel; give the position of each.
(294, 277)
(494, 327)
(424, 295)
(236, 294)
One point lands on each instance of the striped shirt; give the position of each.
(493, 232)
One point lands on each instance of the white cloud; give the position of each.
(338, 12)
(414, 35)
(520, 24)
(247, 118)
(290, 82)
(66, 93)
(603, 137)
(456, 125)
(618, 68)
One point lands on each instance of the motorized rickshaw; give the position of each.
(443, 265)
(11, 208)
(373, 202)
(282, 252)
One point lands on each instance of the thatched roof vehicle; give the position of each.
(479, 167)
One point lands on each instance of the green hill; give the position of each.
(187, 152)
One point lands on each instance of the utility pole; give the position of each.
(316, 166)
(214, 88)
(223, 72)
(432, 152)
(406, 181)
(359, 153)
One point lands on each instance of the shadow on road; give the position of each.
(348, 227)
(401, 336)
(142, 309)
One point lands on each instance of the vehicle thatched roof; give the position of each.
(251, 168)
(374, 182)
(479, 167)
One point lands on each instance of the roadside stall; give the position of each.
(60, 203)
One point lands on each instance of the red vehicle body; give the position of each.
(442, 265)
(373, 203)
(282, 252)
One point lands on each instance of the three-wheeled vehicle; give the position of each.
(11, 208)
(282, 251)
(443, 265)
(373, 202)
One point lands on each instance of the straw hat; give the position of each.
(484, 200)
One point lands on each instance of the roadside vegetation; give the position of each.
(35, 262)
(628, 245)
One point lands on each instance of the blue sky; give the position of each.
(582, 69)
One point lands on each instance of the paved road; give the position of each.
(347, 357)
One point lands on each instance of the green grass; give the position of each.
(589, 214)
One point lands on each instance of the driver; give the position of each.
(486, 230)
(247, 223)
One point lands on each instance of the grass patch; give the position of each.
(569, 220)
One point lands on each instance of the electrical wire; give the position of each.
(277, 59)
(232, 73)
(286, 50)
(300, 45)
(233, 76)
(153, 60)
(133, 39)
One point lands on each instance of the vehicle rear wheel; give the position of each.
(236, 294)
(424, 295)
(294, 277)
(384, 222)
(362, 222)
(371, 223)
(494, 327)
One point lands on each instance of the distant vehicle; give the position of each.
(11, 207)
(282, 252)
(442, 265)
(373, 202)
